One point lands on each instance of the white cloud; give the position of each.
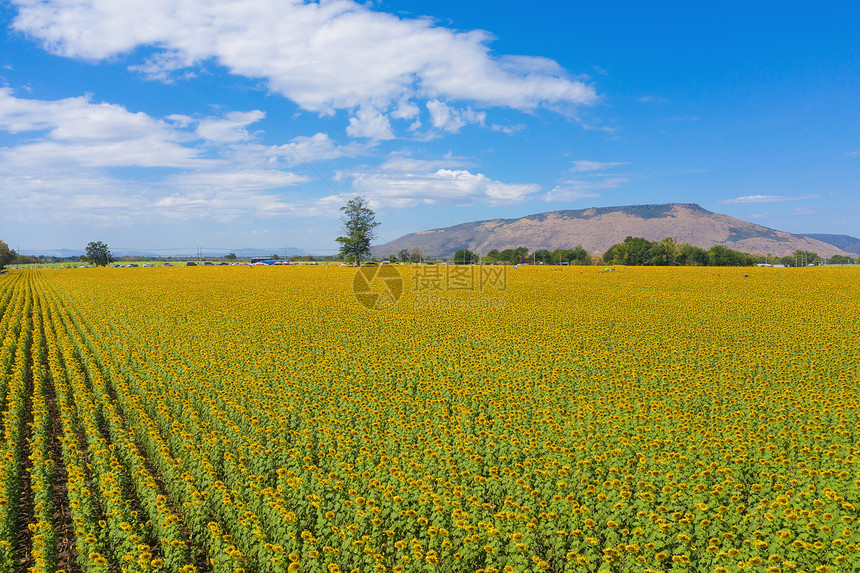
(508, 129)
(232, 127)
(766, 199)
(852, 153)
(450, 119)
(584, 165)
(65, 168)
(402, 182)
(579, 189)
(324, 56)
(405, 110)
(318, 147)
(411, 166)
(566, 194)
(370, 123)
(80, 132)
(238, 180)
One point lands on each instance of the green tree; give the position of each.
(416, 255)
(359, 222)
(692, 255)
(617, 254)
(806, 258)
(667, 251)
(521, 255)
(404, 255)
(839, 260)
(231, 257)
(633, 251)
(542, 256)
(576, 256)
(98, 254)
(465, 257)
(7, 255)
(722, 257)
(580, 256)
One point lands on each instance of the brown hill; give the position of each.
(599, 228)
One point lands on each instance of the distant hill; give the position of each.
(248, 252)
(845, 242)
(599, 228)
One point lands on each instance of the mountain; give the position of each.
(599, 228)
(845, 242)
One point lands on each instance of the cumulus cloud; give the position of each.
(371, 123)
(403, 182)
(325, 56)
(72, 164)
(76, 131)
(766, 199)
(450, 119)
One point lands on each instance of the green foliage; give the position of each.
(465, 257)
(575, 256)
(416, 255)
(231, 257)
(633, 251)
(691, 255)
(98, 254)
(359, 223)
(404, 255)
(7, 255)
(804, 258)
(542, 256)
(719, 256)
(639, 251)
(839, 260)
(518, 255)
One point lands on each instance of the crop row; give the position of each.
(199, 430)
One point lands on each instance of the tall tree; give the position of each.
(98, 254)
(417, 256)
(359, 222)
(668, 248)
(465, 257)
(542, 256)
(7, 255)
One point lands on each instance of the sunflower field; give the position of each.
(252, 420)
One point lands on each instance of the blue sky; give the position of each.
(170, 125)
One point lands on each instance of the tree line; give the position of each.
(634, 251)
(666, 252)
